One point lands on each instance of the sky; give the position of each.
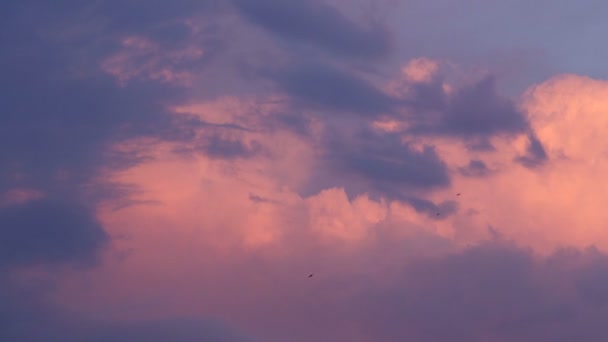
(177, 170)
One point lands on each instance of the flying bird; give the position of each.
(310, 276)
(458, 194)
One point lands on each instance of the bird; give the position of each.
(458, 194)
(310, 276)
(437, 214)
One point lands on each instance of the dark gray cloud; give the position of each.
(178, 329)
(219, 147)
(259, 199)
(297, 122)
(314, 22)
(494, 291)
(435, 211)
(48, 231)
(473, 111)
(59, 115)
(115, 16)
(381, 165)
(323, 86)
(26, 316)
(409, 167)
(384, 159)
(535, 153)
(475, 168)
(592, 283)
(427, 96)
(155, 16)
(60, 111)
(480, 144)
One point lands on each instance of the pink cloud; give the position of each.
(234, 239)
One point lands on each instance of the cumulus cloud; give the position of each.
(383, 269)
(371, 257)
(156, 185)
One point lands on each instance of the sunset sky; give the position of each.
(176, 170)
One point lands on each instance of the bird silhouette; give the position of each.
(310, 276)
(458, 194)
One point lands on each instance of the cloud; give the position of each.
(205, 198)
(380, 164)
(383, 268)
(143, 58)
(485, 175)
(62, 111)
(259, 199)
(433, 210)
(326, 87)
(375, 272)
(469, 111)
(219, 147)
(34, 319)
(567, 115)
(475, 168)
(155, 17)
(182, 330)
(382, 158)
(493, 291)
(535, 154)
(316, 23)
(47, 231)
